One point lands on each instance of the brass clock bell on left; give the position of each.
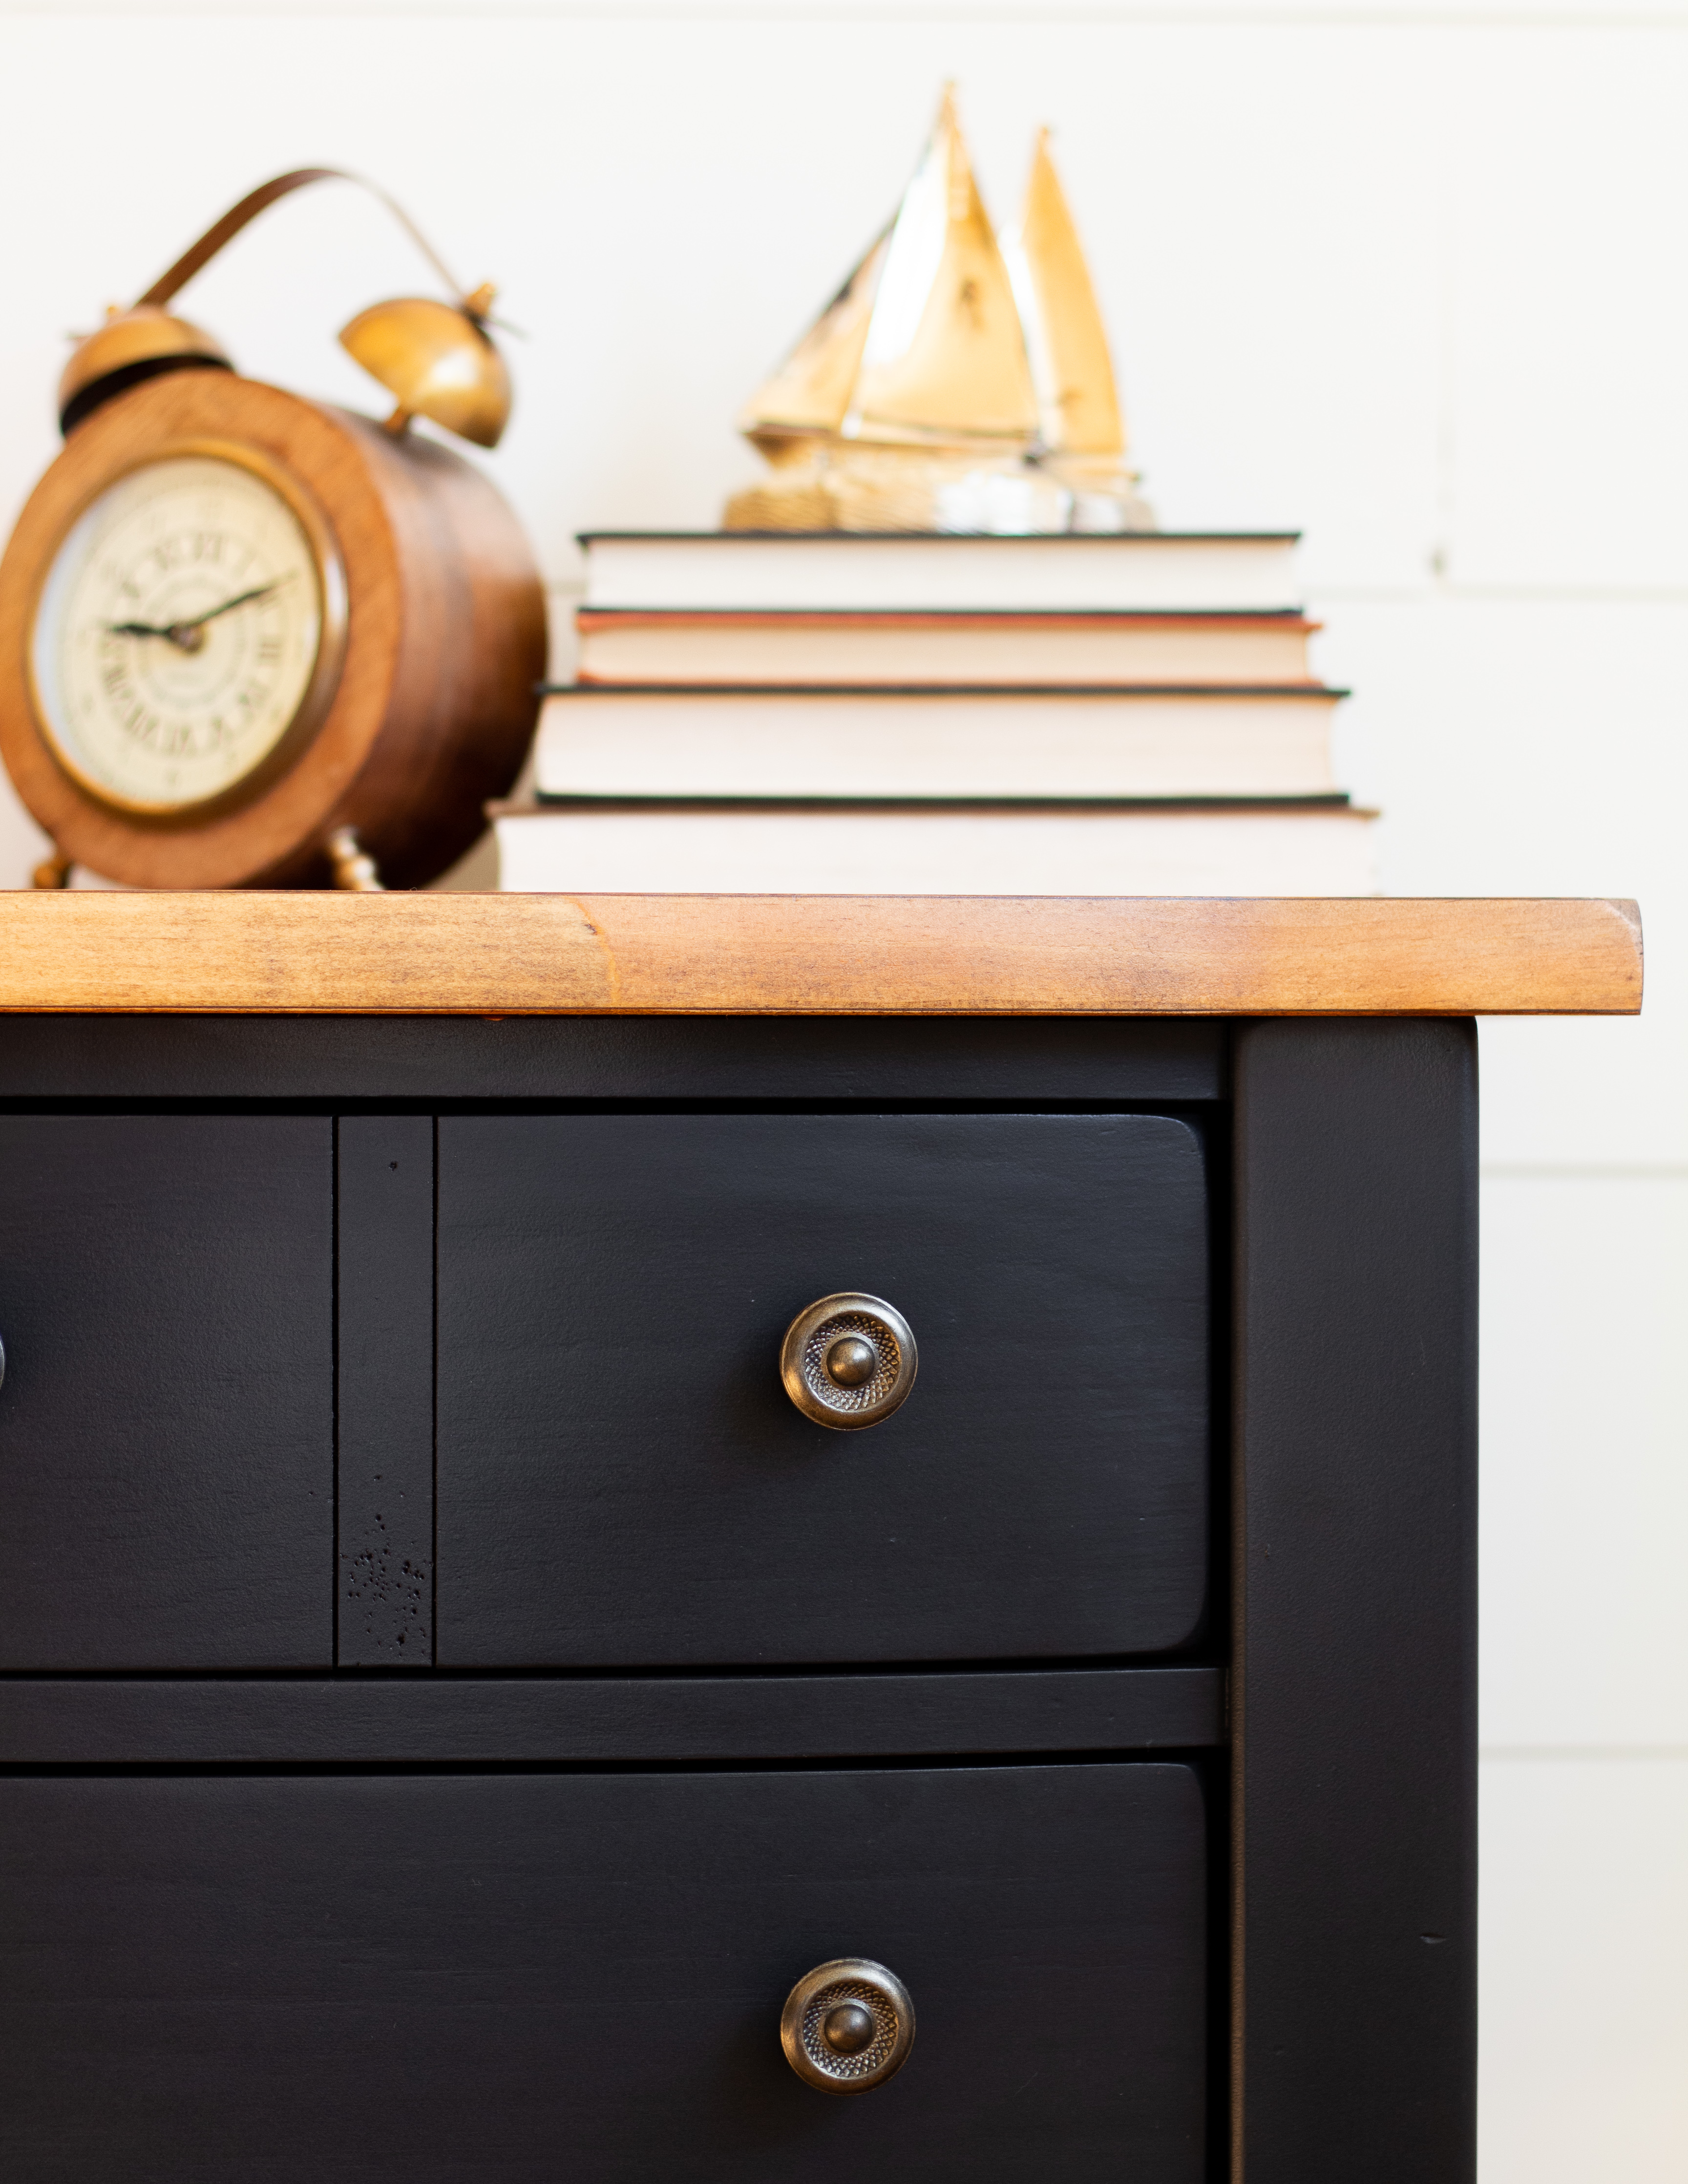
(248, 639)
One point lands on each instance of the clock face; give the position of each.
(179, 634)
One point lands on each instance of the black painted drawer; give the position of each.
(622, 1478)
(529, 1976)
(167, 1417)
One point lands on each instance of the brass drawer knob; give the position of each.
(848, 1359)
(848, 2025)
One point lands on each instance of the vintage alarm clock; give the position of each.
(252, 640)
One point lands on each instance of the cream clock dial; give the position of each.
(181, 632)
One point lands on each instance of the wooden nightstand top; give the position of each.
(511, 954)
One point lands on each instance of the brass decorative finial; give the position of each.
(949, 385)
(353, 867)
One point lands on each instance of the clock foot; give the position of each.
(354, 869)
(54, 871)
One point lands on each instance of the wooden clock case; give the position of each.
(436, 699)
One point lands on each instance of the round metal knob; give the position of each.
(848, 1359)
(848, 2025)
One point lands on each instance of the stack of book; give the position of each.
(934, 714)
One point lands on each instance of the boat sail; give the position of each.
(1080, 426)
(809, 395)
(944, 362)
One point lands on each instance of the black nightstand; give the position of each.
(452, 1693)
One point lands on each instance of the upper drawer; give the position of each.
(623, 1480)
(167, 1416)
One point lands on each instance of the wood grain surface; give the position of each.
(301, 953)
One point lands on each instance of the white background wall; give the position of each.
(1409, 276)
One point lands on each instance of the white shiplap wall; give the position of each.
(1411, 276)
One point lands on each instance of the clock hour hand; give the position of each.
(184, 636)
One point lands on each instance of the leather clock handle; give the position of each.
(201, 253)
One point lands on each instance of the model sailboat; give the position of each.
(947, 387)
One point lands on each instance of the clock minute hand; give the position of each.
(241, 599)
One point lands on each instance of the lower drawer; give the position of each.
(533, 1975)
